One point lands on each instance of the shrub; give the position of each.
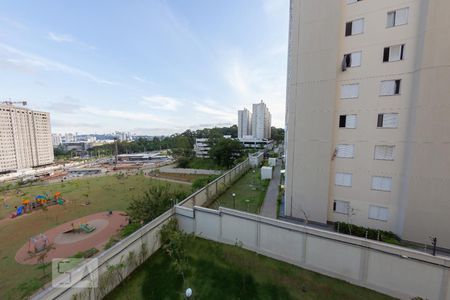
(372, 234)
(202, 182)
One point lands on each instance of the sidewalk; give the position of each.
(269, 208)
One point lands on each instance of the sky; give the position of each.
(152, 67)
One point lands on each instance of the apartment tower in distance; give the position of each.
(244, 123)
(25, 138)
(261, 121)
(368, 126)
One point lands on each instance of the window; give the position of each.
(380, 183)
(349, 91)
(390, 87)
(384, 152)
(378, 213)
(354, 27)
(352, 1)
(397, 17)
(387, 120)
(341, 207)
(343, 179)
(394, 53)
(347, 121)
(351, 60)
(345, 151)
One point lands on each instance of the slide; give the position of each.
(19, 210)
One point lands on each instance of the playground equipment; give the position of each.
(39, 202)
(80, 227)
(37, 243)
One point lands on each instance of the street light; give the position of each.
(234, 200)
(188, 293)
(248, 201)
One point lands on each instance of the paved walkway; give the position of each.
(269, 208)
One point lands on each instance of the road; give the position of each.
(269, 208)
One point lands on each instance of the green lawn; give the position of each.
(248, 187)
(204, 163)
(104, 193)
(218, 271)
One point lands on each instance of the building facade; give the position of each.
(244, 123)
(261, 121)
(202, 147)
(368, 132)
(25, 138)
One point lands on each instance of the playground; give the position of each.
(82, 198)
(39, 202)
(78, 235)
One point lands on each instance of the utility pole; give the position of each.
(116, 150)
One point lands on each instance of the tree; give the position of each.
(277, 134)
(225, 151)
(155, 201)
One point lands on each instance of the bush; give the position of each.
(129, 229)
(202, 182)
(372, 234)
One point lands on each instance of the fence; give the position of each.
(389, 269)
(212, 190)
(141, 244)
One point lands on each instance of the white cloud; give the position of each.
(125, 115)
(20, 60)
(61, 38)
(67, 38)
(162, 102)
(214, 112)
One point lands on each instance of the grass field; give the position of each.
(204, 163)
(249, 187)
(218, 271)
(103, 193)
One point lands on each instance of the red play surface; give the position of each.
(69, 244)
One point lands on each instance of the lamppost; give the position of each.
(248, 201)
(234, 200)
(188, 293)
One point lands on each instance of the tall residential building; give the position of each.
(244, 123)
(261, 121)
(25, 138)
(368, 127)
(56, 140)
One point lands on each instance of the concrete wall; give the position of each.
(146, 237)
(392, 270)
(169, 169)
(209, 192)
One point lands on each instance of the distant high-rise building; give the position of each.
(56, 139)
(69, 138)
(244, 123)
(368, 130)
(25, 138)
(261, 121)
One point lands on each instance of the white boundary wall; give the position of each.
(389, 269)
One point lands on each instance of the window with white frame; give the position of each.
(390, 87)
(389, 120)
(350, 91)
(378, 213)
(345, 151)
(397, 17)
(351, 60)
(384, 152)
(341, 207)
(347, 121)
(394, 53)
(354, 27)
(382, 183)
(343, 179)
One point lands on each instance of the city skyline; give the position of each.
(144, 76)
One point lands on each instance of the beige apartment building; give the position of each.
(25, 138)
(368, 115)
